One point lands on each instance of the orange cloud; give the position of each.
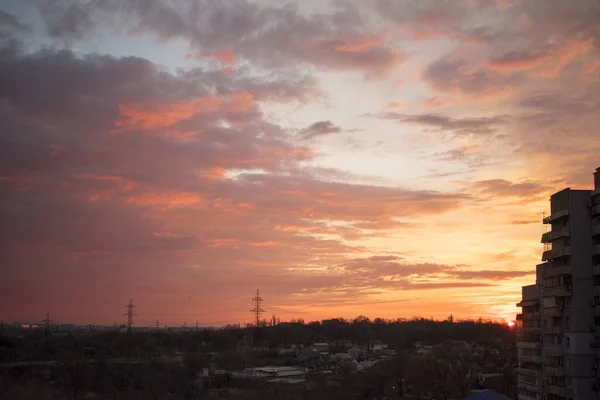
(156, 116)
(394, 105)
(217, 173)
(546, 62)
(165, 201)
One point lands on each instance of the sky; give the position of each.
(385, 158)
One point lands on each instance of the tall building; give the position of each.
(558, 331)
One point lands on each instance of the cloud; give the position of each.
(113, 168)
(524, 221)
(504, 188)
(454, 75)
(456, 126)
(491, 274)
(317, 129)
(268, 35)
(12, 22)
(546, 62)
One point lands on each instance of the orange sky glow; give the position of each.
(389, 158)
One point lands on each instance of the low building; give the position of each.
(377, 345)
(322, 347)
(356, 352)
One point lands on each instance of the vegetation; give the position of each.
(186, 365)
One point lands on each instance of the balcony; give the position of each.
(596, 290)
(528, 316)
(557, 252)
(554, 371)
(553, 330)
(525, 397)
(595, 228)
(555, 216)
(558, 291)
(554, 351)
(555, 234)
(552, 312)
(530, 359)
(530, 372)
(529, 334)
(596, 269)
(530, 385)
(597, 311)
(556, 390)
(528, 344)
(596, 210)
(596, 249)
(550, 270)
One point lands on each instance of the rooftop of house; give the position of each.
(487, 394)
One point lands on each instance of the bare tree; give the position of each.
(5, 381)
(73, 362)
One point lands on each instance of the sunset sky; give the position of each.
(386, 158)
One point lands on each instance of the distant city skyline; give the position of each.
(388, 158)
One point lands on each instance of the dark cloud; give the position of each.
(317, 129)
(524, 221)
(270, 36)
(455, 126)
(490, 274)
(504, 188)
(12, 22)
(456, 76)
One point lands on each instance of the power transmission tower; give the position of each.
(257, 310)
(196, 325)
(47, 323)
(56, 329)
(130, 314)
(157, 326)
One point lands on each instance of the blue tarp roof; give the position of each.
(487, 395)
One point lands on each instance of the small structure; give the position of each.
(486, 394)
(377, 345)
(310, 353)
(322, 347)
(356, 352)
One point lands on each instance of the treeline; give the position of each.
(400, 333)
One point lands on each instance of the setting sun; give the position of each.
(510, 323)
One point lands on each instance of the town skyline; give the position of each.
(383, 158)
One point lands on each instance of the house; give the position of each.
(310, 353)
(377, 345)
(272, 372)
(356, 352)
(322, 347)
(425, 350)
(342, 356)
(486, 394)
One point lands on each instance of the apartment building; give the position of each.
(558, 330)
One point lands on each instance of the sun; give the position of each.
(510, 323)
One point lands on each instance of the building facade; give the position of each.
(558, 330)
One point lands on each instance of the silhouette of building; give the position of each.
(558, 336)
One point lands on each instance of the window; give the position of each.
(549, 302)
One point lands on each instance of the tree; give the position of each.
(73, 361)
